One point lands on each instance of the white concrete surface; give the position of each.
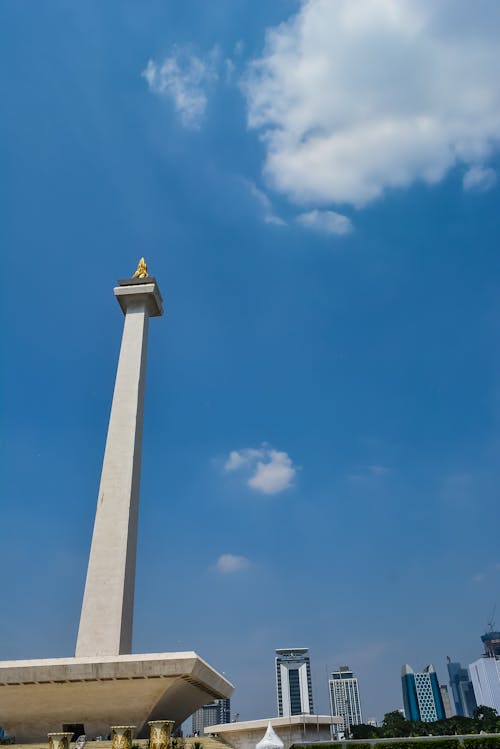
(296, 728)
(108, 603)
(39, 696)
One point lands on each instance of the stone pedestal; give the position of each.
(37, 696)
(159, 733)
(59, 740)
(122, 737)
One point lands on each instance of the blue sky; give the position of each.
(314, 185)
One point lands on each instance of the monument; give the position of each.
(104, 684)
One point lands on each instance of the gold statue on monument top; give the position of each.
(142, 269)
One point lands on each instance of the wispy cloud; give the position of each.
(230, 67)
(488, 574)
(325, 222)
(268, 213)
(480, 178)
(184, 78)
(369, 471)
(266, 470)
(229, 563)
(376, 469)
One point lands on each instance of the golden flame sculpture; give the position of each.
(142, 269)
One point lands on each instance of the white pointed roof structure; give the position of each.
(271, 739)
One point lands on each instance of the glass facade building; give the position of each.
(421, 695)
(212, 714)
(462, 690)
(344, 699)
(293, 682)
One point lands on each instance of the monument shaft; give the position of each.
(105, 685)
(108, 602)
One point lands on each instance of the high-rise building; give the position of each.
(485, 677)
(448, 712)
(224, 710)
(491, 642)
(421, 694)
(461, 689)
(212, 714)
(293, 682)
(344, 698)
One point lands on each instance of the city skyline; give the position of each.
(325, 387)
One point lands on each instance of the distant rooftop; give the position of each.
(490, 636)
(291, 651)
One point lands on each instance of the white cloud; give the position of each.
(479, 178)
(267, 470)
(274, 474)
(355, 97)
(240, 458)
(184, 78)
(326, 222)
(267, 207)
(228, 563)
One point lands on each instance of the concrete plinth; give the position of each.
(39, 696)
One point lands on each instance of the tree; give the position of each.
(487, 718)
(365, 731)
(395, 725)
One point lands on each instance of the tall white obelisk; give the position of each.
(108, 602)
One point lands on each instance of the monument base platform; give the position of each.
(295, 729)
(40, 696)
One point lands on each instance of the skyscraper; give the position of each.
(485, 677)
(461, 689)
(293, 682)
(485, 672)
(421, 694)
(448, 712)
(211, 714)
(344, 698)
(491, 642)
